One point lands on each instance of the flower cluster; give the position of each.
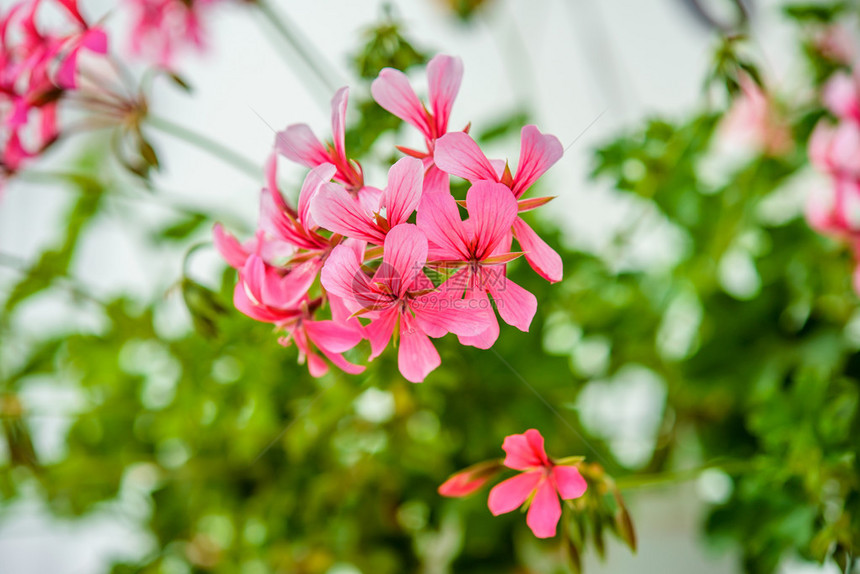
(162, 27)
(401, 262)
(835, 150)
(539, 485)
(38, 69)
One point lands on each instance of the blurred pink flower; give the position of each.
(541, 483)
(753, 121)
(161, 28)
(38, 69)
(836, 44)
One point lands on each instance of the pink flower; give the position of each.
(400, 300)
(272, 295)
(392, 91)
(341, 212)
(37, 71)
(840, 217)
(541, 483)
(753, 122)
(299, 144)
(836, 43)
(470, 480)
(341, 228)
(458, 154)
(840, 96)
(163, 27)
(481, 246)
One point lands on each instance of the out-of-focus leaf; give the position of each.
(183, 228)
(204, 306)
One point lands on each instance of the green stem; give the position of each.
(651, 480)
(282, 26)
(208, 145)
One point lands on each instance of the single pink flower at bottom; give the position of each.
(542, 482)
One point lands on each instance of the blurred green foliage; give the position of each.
(244, 463)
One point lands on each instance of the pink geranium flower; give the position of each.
(299, 144)
(267, 294)
(341, 212)
(541, 484)
(392, 91)
(458, 154)
(481, 246)
(400, 300)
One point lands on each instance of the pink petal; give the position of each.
(417, 356)
(404, 256)
(820, 143)
(254, 309)
(341, 363)
(299, 144)
(337, 210)
(538, 152)
(545, 511)
(316, 366)
(369, 198)
(313, 181)
(436, 180)
(535, 440)
(492, 210)
(463, 484)
(285, 291)
(72, 7)
(458, 154)
(488, 337)
(540, 256)
(439, 218)
(524, 451)
(392, 91)
(840, 96)
(338, 121)
(444, 74)
(48, 130)
(379, 331)
(332, 336)
(513, 492)
(95, 40)
(516, 305)
(270, 171)
(569, 482)
(342, 275)
(273, 221)
(67, 70)
(845, 149)
(439, 313)
(229, 247)
(401, 197)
